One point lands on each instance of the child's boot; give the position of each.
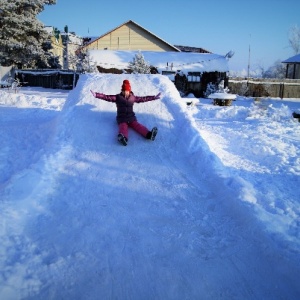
(152, 134)
(122, 139)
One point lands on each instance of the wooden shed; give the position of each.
(293, 67)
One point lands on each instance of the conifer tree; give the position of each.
(139, 64)
(83, 63)
(86, 64)
(22, 36)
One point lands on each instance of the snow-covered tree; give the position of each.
(277, 70)
(139, 64)
(22, 36)
(85, 64)
(294, 39)
(49, 60)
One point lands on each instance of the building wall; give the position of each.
(57, 48)
(71, 44)
(71, 49)
(129, 37)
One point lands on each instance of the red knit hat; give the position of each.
(126, 85)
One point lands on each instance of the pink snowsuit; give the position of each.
(125, 114)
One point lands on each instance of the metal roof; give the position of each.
(293, 60)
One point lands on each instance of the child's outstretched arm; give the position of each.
(139, 99)
(109, 98)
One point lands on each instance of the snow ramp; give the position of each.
(168, 113)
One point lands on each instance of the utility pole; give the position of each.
(249, 58)
(67, 48)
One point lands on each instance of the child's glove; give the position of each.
(157, 96)
(93, 93)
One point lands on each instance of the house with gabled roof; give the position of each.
(293, 67)
(129, 36)
(191, 68)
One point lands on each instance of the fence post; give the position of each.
(281, 90)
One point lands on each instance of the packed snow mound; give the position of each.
(110, 84)
(169, 112)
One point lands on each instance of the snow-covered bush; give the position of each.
(139, 64)
(216, 88)
(210, 89)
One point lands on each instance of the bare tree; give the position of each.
(277, 70)
(294, 39)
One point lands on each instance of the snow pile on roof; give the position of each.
(163, 61)
(72, 38)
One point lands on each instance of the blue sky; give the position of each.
(218, 26)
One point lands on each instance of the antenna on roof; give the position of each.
(229, 54)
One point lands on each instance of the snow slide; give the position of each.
(153, 220)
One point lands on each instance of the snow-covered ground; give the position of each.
(209, 210)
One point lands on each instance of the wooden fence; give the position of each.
(261, 87)
(55, 79)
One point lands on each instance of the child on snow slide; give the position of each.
(125, 114)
